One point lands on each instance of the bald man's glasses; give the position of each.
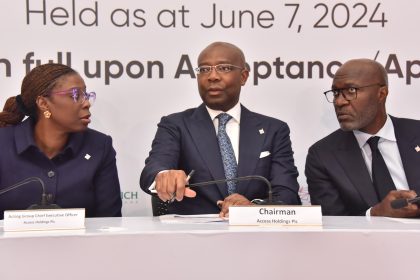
(349, 93)
(79, 95)
(220, 68)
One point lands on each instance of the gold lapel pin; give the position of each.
(261, 131)
(417, 148)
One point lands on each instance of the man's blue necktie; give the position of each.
(228, 156)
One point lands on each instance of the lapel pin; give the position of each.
(262, 132)
(87, 156)
(417, 148)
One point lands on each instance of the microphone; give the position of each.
(268, 201)
(402, 202)
(44, 197)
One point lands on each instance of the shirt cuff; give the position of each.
(368, 213)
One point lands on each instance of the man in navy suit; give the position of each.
(188, 141)
(339, 166)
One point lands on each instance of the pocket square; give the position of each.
(264, 154)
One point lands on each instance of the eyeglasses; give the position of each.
(349, 93)
(78, 95)
(220, 68)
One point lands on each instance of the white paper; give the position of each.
(275, 215)
(191, 219)
(44, 219)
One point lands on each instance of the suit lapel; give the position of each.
(350, 158)
(250, 145)
(407, 141)
(204, 136)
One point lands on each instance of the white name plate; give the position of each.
(44, 219)
(275, 215)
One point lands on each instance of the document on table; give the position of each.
(191, 219)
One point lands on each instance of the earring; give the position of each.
(47, 114)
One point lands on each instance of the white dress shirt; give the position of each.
(232, 126)
(388, 147)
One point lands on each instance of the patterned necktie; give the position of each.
(382, 180)
(226, 150)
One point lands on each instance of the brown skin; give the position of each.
(51, 134)
(172, 182)
(367, 113)
(233, 199)
(219, 91)
(384, 207)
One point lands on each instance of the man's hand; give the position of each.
(233, 199)
(172, 183)
(384, 207)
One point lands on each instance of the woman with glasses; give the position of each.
(76, 164)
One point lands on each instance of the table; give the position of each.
(145, 248)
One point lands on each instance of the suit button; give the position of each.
(51, 174)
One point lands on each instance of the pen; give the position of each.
(153, 185)
(188, 178)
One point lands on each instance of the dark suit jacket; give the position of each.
(187, 141)
(338, 178)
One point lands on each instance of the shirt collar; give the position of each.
(24, 138)
(24, 135)
(235, 112)
(386, 132)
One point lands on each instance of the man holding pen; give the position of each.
(220, 139)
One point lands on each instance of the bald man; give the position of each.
(220, 139)
(344, 171)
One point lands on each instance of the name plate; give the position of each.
(44, 219)
(275, 215)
